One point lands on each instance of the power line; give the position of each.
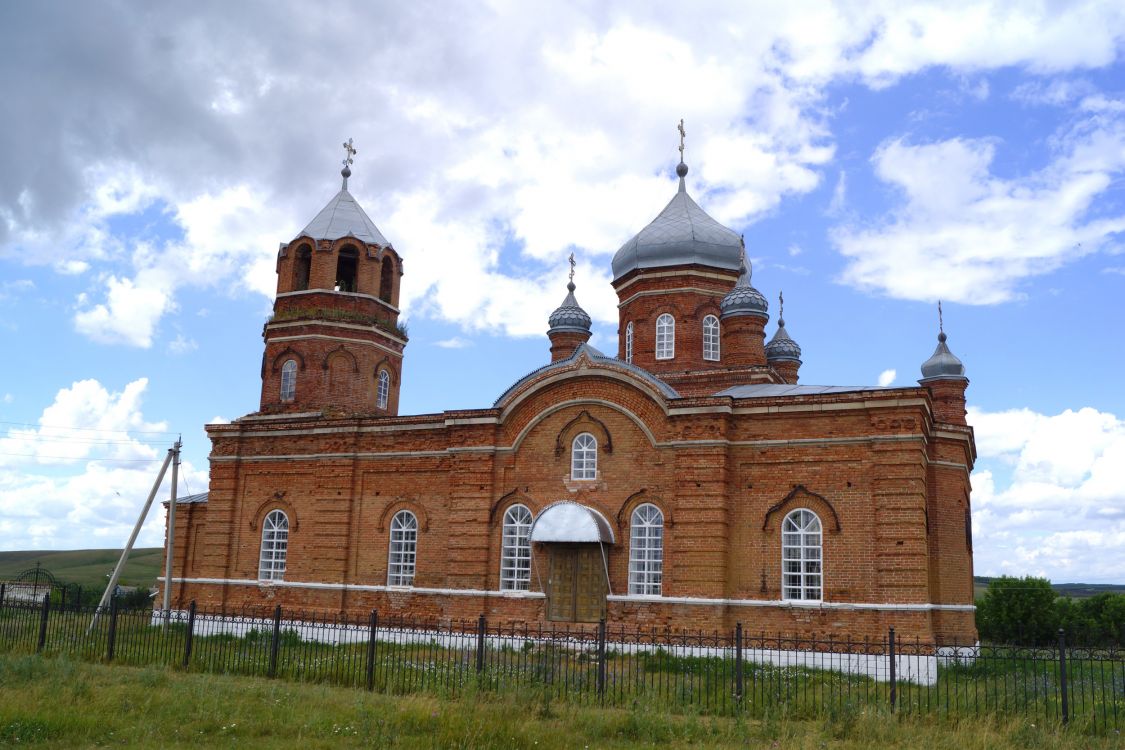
(88, 429)
(70, 439)
(81, 458)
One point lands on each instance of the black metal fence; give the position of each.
(723, 673)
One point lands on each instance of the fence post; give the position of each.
(276, 642)
(1062, 678)
(371, 650)
(112, 641)
(43, 622)
(481, 625)
(891, 662)
(738, 662)
(190, 633)
(601, 658)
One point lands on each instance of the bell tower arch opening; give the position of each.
(347, 267)
(387, 279)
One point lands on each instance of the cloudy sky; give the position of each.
(877, 157)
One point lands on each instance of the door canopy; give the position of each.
(568, 521)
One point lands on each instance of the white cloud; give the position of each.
(80, 478)
(500, 125)
(1062, 511)
(453, 343)
(963, 234)
(886, 377)
(182, 345)
(8, 398)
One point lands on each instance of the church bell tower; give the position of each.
(334, 343)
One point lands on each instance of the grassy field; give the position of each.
(60, 703)
(89, 568)
(1072, 590)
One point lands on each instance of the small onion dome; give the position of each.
(569, 316)
(744, 299)
(782, 348)
(943, 364)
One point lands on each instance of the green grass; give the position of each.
(60, 703)
(1072, 590)
(90, 568)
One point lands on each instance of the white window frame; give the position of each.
(515, 549)
(629, 341)
(665, 337)
(275, 546)
(584, 456)
(802, 556)
(403, 553)
(711, 334)
(382, 389)
(646, 550)
(289, 380)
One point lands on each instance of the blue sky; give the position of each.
(877, 157)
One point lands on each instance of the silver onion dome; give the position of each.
(744, 299)
(569, 316)
(781, 347)
(943, 364)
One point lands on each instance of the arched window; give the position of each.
(584, 457)
(515, 552)
(711, 338)
(665, 337)
(629, 342)
(646, 550)
(347, 266)
(404, 546)
(801, 573)
(275, 543)
(302, 263)
(386, 279)
(289, 380)
(382, 389)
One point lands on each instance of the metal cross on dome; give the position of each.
(572, 267)
(683, 134)
(940, 322)
(351, 152)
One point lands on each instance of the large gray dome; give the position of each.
(682, 234)
(569, 316)
(943, 364)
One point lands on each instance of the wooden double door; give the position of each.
(576, 587)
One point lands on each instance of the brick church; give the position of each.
(687, 480)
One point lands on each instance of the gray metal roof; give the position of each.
(769, 390)
(598, 358)
(682, 233)
(344, 217)
(942, 364)
(200, 497)
(568, 521)
(569, 316)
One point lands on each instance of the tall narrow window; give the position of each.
(275, 543)
(665, 337)
(289, 380)
(711, 338)
(302, 264)
(801, 573)
(386, 279)
(584, 457)
(382, 389)
(347, 265)
(515, 553)
(629, 342)
(646, 550)
(404, 546)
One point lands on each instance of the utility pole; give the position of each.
(129, 545)
(170, 543)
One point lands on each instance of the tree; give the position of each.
(1018, 610)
